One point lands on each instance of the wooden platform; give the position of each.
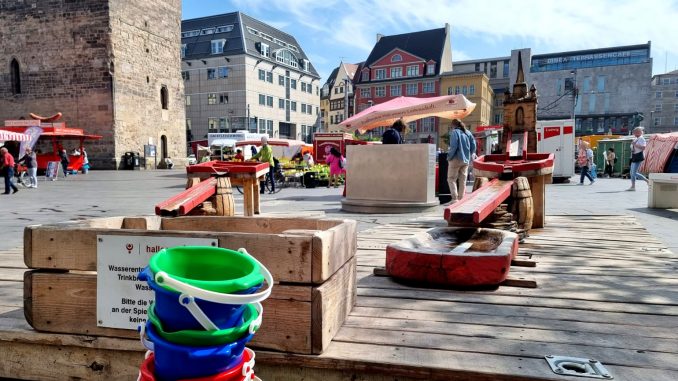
(607, 290)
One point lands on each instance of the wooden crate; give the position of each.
(312, 261)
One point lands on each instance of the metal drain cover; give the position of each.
(579, 367)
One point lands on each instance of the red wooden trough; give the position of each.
(461, 257)
(476, 206)
(231, 167)
(185, 201)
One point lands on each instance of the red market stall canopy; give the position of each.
(6, 135)
(57, 132)
(657, 153)
(408, 109)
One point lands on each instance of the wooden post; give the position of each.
(538, 187)
(248, 199)
(224, 203)
(257, 189)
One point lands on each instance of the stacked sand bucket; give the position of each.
(207, 308)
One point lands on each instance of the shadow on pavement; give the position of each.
(671, 214)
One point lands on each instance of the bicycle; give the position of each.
(21, 174)
(278, 178)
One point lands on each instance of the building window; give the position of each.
(505, 73)
(463, 90)
(396, 91)
(411, 88)
(189, 125)
(428, 87)
(676, 94)
(450, 90)
(472, 90)
(601, 84)
(303, 108)
(224, 29)
(286, 57)
(190, 33)
(223, 72)
(430, 69)
(657, 121)
(211, 74)
(366, 93)
(380, 91)
(281, 80)
(185, 75)
(396, 58)
(218, 46)
(658, 108)
(262, 75)
(493, 69)
(223, 124)
(587, 84)
(396, 72)
(293, 106)
(223, 98)
(188, 100)
(675, 107)
(293, 83)
(675, 121)
(164, 97)
(657, 94)
(380, 74)
(592, 103)
(331, 119)
(269, 77)
(666, 81)
(281, 103)
(183, 50)
(207, 31)
(365, 75)
(211, 99)
(212, 124)
(262, 99)
(303, 86)
(428, 124)
(264, 50)
(477, 67)
(413, 71)
(269, 101)
(497, 118)
(309, 88)
(457, 90)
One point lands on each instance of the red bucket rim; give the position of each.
(147, 371)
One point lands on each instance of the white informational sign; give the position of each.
(122, 299)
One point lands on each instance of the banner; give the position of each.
(34, 132)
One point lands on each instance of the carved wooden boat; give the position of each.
(462, 257)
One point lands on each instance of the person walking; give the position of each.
(637, 157)
(31, 163)
(265, 155)
(585, 159)
(63, 155)
(394, 135)
(336, 162)
(7, 169)
(462, 149)
(610, 159)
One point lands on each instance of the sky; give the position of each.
(330, 31)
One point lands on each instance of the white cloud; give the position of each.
(459, 55)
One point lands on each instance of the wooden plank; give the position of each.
(12, 274)
(53, 300)
(538, 187)
(332, 248)
(332, 302)
(11, 294)
(248, 200)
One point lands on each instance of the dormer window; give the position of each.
(305, 64)
(365, 75)
(396, 58)
(224, 29)
(430, 69)
(265, 50)
(218, 46)
(207, 31)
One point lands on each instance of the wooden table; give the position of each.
(246, 174)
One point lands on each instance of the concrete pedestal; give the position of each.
(663, 191)
(394, 178)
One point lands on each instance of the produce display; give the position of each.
(294, 169)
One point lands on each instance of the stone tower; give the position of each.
(520, 110)
(112, 67)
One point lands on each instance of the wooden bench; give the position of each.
(477, 206)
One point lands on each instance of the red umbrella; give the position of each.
(409, 109)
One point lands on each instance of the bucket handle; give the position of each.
(162, 277)
(204, 320)
(148, 344)
(248, 367)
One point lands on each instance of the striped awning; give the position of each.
(658, 151)
(14, 136)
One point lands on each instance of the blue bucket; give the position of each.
(174, 361)
(175, 317)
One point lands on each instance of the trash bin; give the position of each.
(128, 161)
(443, 186)
(311, 179)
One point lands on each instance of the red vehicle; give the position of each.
(56, 133)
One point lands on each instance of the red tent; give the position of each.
(658, 152)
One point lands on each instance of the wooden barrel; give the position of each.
(223, 199)
(192, 181)
(522, 208)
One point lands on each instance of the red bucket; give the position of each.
(237, 373)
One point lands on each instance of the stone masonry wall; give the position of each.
(146, 40)
(63, 51)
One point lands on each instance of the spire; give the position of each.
(520, 87)
(521, 76)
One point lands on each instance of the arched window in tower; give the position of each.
(15, 75)
(520, 116)
(164, 97)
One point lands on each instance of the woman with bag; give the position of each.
(637, 156)
(462, 151)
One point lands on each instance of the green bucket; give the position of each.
(201, 338)
(209, 268)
